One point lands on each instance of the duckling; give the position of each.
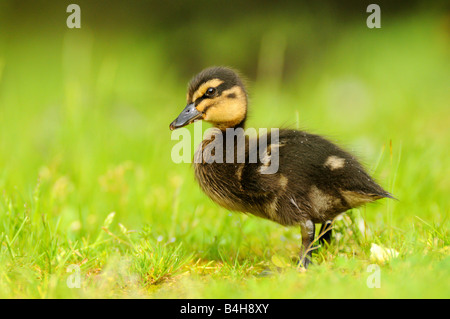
(315, 180)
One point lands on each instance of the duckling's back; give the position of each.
(316, 180)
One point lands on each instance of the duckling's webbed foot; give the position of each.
(325, 233)
(308, 232)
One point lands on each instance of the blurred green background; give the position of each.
(84, 116)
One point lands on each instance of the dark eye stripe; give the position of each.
(219, 89)
(199, 100)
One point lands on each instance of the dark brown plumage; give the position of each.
(315, 181)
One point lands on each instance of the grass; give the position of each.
(86, 177)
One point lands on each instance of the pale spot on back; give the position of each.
(266, 162)
(334, 162)
(283, 182)
(321, 201)
(272, 209)
(267, 156)
(239, 171)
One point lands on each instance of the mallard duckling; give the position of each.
(315, 181)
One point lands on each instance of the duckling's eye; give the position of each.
(210, 92)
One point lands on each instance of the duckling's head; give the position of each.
(216, 95)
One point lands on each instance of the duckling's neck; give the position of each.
(241, 124)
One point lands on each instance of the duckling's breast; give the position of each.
(221, 180)
(240, 186)
(218, 182)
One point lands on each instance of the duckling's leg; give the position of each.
(308, 231)
(325, 233)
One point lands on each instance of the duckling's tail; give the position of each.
(389, 195)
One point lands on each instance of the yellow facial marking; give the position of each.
(201, 107)
(225, 112)
(202, 89)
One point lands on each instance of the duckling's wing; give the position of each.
(308, 162)
(328, 167)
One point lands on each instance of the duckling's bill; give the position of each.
(186, 117)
